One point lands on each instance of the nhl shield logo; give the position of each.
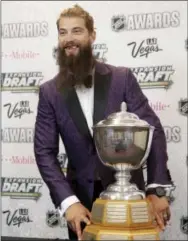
(183, 106)
(184, 224)
(118, 23)
(52, 218)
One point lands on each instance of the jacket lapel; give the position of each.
(101, 86)
(75, 111)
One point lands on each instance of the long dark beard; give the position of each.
(75, 70)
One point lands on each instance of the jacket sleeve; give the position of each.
(157, 171)
(46, 148)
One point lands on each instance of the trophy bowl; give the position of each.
(123, 142)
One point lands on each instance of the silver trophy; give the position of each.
(123, 142)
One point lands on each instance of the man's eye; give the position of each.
(77, 31)
(62, 33)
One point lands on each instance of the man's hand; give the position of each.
(161, 210)
(76, 214)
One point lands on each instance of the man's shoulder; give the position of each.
(122, 75)
(117, 69)
(49, 85)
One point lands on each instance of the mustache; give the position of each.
(55, 50)
(71, 44)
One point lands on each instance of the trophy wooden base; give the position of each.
(122, 220)
(95, 232)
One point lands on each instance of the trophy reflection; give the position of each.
(123, 142)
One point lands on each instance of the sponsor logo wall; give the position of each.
(24, 30)
(145, 21)
(151, 39)
(17, 217)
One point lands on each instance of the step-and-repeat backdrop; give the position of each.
(148, 37)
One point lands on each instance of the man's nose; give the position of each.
(69, 37)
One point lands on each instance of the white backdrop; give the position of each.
(132, 34)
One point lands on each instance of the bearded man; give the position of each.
(84, 92)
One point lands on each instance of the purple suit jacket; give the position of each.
(60, 114)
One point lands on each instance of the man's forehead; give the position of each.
(71, 22)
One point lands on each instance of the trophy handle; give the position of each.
(151, 130)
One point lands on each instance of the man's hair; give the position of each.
(77, 11)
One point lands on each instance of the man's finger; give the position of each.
(159, 219)
(78, 230)
(165, 218)
(88, 214)
(72, 226)
(158, 229)
(86, 220)
(168, 213)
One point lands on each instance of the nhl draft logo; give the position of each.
(22, 82)
(99, 51)
(154, 76)
(184, 224)
(183, 106)
(21, 188)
